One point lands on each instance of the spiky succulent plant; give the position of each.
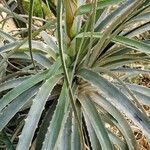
(79, 89)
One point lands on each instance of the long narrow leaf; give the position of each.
(15, 106)
(44, 126)
(118, 143)
(12, 83)
(100, 5)
(97, 124)
(49, 41)
(35, 112)
(95, 143)
(21, 88)
(118, 99)
(131, 70)
(36, 45)
(125, 129)
(139, 88)
(57, 123)
(131, 43)
(5, 100)
(65, 140)
(75, 136)
(112, 16)
(64, 65)
(7, 36)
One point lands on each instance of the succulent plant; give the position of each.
(74, 94)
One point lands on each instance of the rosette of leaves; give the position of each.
(84, 68)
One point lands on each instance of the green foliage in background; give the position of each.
(37, 9)
(65, 85)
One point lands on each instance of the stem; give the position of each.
(30, 32)
(60, 43)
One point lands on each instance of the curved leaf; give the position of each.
(120, 121)
(35, 112)
(118, 143)
(95, 143)
(142, 95)
(44, 126)
(7, 36)
(49, 41)
(130, 70)
(75, 136)
(11, 95)
(57, 123)
(97, 124)
(113, 16)
(16, 105)
(65, 140)
(139, 88)
(131, 43)
(40, 58)
(100, 5)
(118, 99)
(138, 30)
(12, 83)
(24, 47)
